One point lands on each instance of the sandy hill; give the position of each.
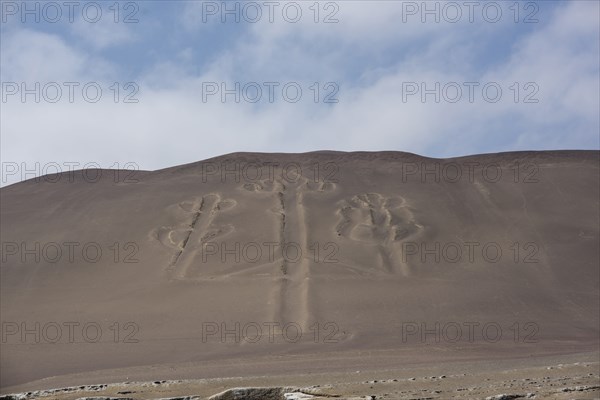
(268, 257)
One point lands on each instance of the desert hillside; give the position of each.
(384, 257)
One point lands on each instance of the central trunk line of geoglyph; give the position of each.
(291, 305)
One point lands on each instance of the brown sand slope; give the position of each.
(390, 258)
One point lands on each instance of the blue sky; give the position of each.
(544, 57)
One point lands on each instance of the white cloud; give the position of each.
(31, 56)
(171, 125)
(104, 33)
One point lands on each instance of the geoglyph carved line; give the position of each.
(375, 220)
(196, 226)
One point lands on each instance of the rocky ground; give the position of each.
(573, 380)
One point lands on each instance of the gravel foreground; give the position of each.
(490, 381)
